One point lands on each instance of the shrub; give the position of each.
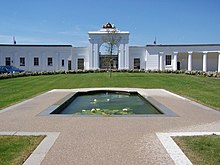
(38, 73)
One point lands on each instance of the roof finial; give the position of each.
(107, 26)
(14, 41)
(155, 41)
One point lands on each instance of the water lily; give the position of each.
(92, 110)
(98, 109)
(83, 110)
(94, 100)
(125, 110)
(108, 99)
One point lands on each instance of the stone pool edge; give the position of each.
(166, 112)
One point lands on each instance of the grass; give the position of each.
(203, 89)
(16, 149)
(201, 150)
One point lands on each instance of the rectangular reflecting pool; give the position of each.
(106, 103)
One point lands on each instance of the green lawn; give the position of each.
(203, 89)
(201, 150)
(16, 149)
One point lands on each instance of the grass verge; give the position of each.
(16, 149)
(201, 150)
(204, 90)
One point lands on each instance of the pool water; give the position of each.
(107, 103)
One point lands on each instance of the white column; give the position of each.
(146, 54)
(121, 57)
(96, 57)
(42, 61)
(29, 62)
(57, 61)
(218, 61)
(91, 55)
(175, 60)
(126, 47)
(161, 61)
(204, 62)
(189, 61)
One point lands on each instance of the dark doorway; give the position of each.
(7, 61)
(81, 63)
(178, 65)
(136, 63)
(106, 60)
(69, 65)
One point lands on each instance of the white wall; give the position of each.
(178, 48)
(183, 59)
(137, 52)
(152, 58)
(197, 63)
(42, 52)
(80, 52)
(212, 62)
(149, 58)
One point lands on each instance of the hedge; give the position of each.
(194, 72)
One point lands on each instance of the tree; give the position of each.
(111, 39)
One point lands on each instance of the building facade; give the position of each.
(204, 57)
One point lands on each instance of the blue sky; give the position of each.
(68, 21)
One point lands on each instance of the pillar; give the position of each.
(161, 61)
(126, 47)
(204, 62)
(189, 61)
(96, 57)
(218, 61)
(91, 55)
(121, 57)
(175, 60)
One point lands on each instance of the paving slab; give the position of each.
(109, 140)
(40, 152)
(174, 150)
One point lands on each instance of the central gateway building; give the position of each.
(97, 44)
(205, 57)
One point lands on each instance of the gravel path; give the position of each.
(109, 140)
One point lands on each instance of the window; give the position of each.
(62, 63)
(8, 61)
(36, 61)
(69, 64)
(136, 63)
(168, 59)
(22, 61)
(50, 61)
(81, 63)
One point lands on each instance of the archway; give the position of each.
(96, 47)
(108, 56)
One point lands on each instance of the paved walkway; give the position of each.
(109, 140)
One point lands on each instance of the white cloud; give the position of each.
(6, 39)
(75, 31)
(75, 36)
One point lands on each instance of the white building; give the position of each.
(205, 57)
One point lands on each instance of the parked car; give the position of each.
(2, 70)
(10, 69)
